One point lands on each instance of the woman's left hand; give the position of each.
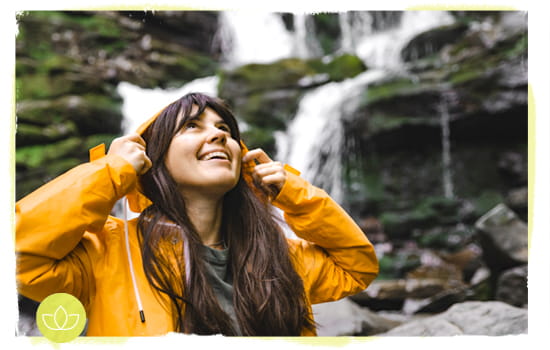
(268, 175)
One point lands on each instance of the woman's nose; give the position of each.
(217, 135)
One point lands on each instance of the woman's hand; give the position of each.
(132, 149)
(268, 175)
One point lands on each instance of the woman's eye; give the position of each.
(224, 127)
(190, 125)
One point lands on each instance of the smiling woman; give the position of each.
(213, 257)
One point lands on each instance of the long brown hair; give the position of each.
(268, 298)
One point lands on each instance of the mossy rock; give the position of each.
(39, 164)
(340, 67)
(270, 109)
(28, 134)
(260, 77)
(287, 73)
(430, 42)
(40, 155)
(47, 86)
(431, 211)
(447, 238)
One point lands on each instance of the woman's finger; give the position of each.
(136, 138)
(257, 154)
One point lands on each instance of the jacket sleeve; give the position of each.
(56, 237)
(336, 257)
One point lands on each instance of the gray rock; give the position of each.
(345, 318)
(512, 286)
(493, 318)
(503, 237)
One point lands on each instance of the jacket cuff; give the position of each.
(122, 173)
(294, 191)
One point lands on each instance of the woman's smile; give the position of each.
(204, 156)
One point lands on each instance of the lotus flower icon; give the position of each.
(61, 317)
(60, 320)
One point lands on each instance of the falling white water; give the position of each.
(254, 37)
(354, 27)
(305, 43)
(141, 104)
(317, 127)
(382, 49)
(448, 189)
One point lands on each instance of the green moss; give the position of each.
(389, 89)
(343, 67)
(40, 155)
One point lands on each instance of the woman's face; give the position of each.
(203, 157)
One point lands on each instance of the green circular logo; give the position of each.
(61, 317)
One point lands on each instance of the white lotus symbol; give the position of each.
(60, 320)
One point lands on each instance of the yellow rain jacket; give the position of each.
(66, 241)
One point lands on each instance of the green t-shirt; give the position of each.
(222, 281)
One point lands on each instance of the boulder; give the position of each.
(503, 237)
(345, 318)
(512, 286)
(493, 318)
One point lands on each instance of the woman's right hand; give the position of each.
(132, 149)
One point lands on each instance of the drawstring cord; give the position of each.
(130, 263)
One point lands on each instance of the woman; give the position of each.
(213, 258)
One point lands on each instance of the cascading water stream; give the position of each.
(447, 98)
(305, 43)
(313, 141)
(253, 37)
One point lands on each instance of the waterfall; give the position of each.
(381, 49)
(448, 97)
(305, 43)
(313, 141)
(253, 37)
(354, 26)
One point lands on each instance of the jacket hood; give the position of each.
(137, 201)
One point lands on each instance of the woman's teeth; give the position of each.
(212, 155)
